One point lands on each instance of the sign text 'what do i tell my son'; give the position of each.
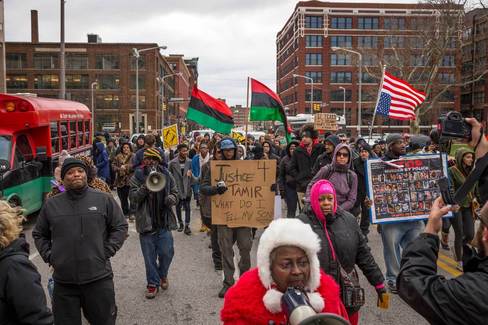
(249, 200)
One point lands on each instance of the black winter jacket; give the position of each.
(349, 243)
(301, 164)
(78, 232)
(22, 299)
(322, 160)
(359, 168)
(461, 300)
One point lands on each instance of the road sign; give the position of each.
(170, 136)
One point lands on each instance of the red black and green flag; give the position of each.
(267, 106)
(209, 112)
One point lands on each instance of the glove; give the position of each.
(273, 187)
(169, 201)
(221, 189)
(383, 298)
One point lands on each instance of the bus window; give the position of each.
(54, 137)
(23, 150)
(72, 135)
(64, 135)
(5, 147)
(80, 134)
(87, 132)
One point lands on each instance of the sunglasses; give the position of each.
(342, 154)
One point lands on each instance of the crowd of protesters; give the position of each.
(320, 177)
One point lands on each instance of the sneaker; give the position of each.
(187, 230)
(180, 228)
(132, 218)
(223, 291)
(392, 287)
(204, 228)
(151, 292)
(164, 284)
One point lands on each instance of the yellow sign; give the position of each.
(170, 136)
(238, 136)
(325, 121)
(246, 203)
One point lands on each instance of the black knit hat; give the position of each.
(70, 163)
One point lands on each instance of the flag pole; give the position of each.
(248, 112)
(377, 102)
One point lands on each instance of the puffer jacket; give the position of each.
(344, 179)
(102, 161)
(301, 164)
(22, 299)
(458, 174)
(349, 243)
(153, 209)
(77, 232)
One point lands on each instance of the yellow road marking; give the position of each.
(452, 271)
(448, 260)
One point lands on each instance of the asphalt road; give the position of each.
(194, 285)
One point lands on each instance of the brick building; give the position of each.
(33, 67)
(240, 114)
(474, 101)
(381, 33)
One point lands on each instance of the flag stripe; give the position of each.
(405, 84)
(199, 105)
(404, 88)
(215, 104)
(209, 121)
(399, 97)
(258, 87)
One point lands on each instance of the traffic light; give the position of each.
(164, 106)
(316, 107)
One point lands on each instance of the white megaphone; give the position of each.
(155, 181)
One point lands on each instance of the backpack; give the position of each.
(331, 171)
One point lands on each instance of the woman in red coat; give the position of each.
(286, 257)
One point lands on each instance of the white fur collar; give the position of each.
(272, 301)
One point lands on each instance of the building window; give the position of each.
(446, 78)
(367, 78)
(107, 61)
(368, 42)
(368, 96)
(46, 61)
(341, 41)
(340, 59)
(141, 82)
(108, 101)
(417, 43)
(340, 77)
(76, 61)
(447, 96)
(77, 81)
(479, 97)
(142, 62)
(448, 61)
(341, 23)
(313, 40)
(396, 42)
(46, 81)
(394, 23)
(315, 75)
(314, 22)
(108, 81)
(81, 98)
(338, 95)
(451, 43)
(313, 59)
(317, 95)
(418, 60)
(142, 101)
(16, 60)
(18, 81)
(368, 23)
(370, 60)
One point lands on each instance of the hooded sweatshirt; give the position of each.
(102, 162)
(458, 174)
(345, 181)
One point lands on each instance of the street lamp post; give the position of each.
(344, 103)
(360, 81)
(311, 90)
(161, 85)
(92, 87)
(137, 55)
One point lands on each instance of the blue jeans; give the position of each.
(158, 251)
(396, 237)
(185, 205)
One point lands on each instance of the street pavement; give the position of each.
(194, 285)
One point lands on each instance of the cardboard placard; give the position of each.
(249, 201)
(404, 189)
(170, 136)
(325, 121)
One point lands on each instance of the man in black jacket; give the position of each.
(77, 232)
(286, 183)
(325, 158)
(362, 201)
(22, 299)
(303, 159)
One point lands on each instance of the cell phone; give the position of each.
(447, 192)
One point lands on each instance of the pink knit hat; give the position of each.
(321, 187)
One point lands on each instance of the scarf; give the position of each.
(203, 161)
(309, 148)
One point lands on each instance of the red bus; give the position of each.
(33, 132)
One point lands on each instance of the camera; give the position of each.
(452, 125)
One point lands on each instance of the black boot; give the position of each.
(187, 230)
(180, 227)
(223, 291)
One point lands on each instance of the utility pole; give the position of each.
(62, 74)
(3, 82)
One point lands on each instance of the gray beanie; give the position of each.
(392, 138)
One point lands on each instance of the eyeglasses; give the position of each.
(343, 154)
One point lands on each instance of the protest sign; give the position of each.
(238, 136)
(325, 121)
(170, 136)
(404, 189)
(249, 201)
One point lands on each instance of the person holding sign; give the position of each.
(343, 247)
(229, 236)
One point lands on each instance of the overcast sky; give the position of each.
(234, 39)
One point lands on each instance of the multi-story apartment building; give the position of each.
(108, 72)
(318, 43)
(474, 100)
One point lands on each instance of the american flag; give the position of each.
(398, 99)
